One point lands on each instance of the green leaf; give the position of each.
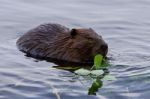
(97, 72)
(98, 61)
(109, 77)
(83, 72)
(105, 63)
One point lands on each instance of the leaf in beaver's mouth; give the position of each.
(98, 61)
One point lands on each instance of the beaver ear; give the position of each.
(73, 32)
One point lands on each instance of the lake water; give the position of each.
(125, 26)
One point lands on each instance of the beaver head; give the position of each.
(87, 43)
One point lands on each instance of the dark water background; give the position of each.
(125, 25)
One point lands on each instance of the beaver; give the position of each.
(55, 41)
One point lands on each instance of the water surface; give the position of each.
(125, 25)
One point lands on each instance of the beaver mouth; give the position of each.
(103, 50)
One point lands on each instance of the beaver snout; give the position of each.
(104, 49)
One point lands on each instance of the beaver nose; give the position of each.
(104, 47)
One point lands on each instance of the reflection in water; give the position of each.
(95, 86)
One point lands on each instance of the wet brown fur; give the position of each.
(58, 42)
